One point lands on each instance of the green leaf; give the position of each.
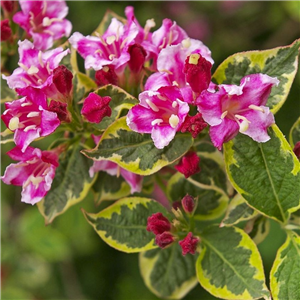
(123, 224)
(229, 265)
(281, 62)
(258, 229)
(7, 94)
(136, 152)
(70, 184)
(108, 187)
(294, 135)
(167, 273)
(120, 100)
(284, 276)
(238, 210)
(265, 174)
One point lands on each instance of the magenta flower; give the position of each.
(193, 124)
(189, 244)
(171, 66)
(188, 203)
(109, 49)
(36, 69)
(134, 180)
(29, 118)
(44, 21)
(34, 172)
(158, 223)
(160, 113)
(189, 164)
(232, 109)
(95, 108)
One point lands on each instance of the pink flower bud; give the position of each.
(176, 205)
(60, 109)
(189, 244)
(297, 149)
(193, 124)
(197, 70)
(164, 239)
(5, 30)
(95, 108)
(158, 224)
(9, 6)
(137, 57)
(106, 76)
(188, 203)
(62, 79)
(189, 164)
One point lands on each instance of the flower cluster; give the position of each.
(169, 73)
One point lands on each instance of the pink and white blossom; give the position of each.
(160, 113)
(29, 118)
(230, 109)
(113, 169)
(35, 69)
(34, 172)
(109, 49)
(44, 21)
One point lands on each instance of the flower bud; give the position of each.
(297, 149)
(158, 224)
(188, 203)
(62, 79)
(164, 239)
(95, 108)
(137, 57)
(106, 76)
(189, 244)
(60, 109)
(197, 70)
(189, 164)
(9, 6)
(193, 124)
(5, 30)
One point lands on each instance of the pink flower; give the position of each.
(189, 164)
(158, 223)
(5, 30)
(109, 49)
(189, 244)
(137, 57)
(164, 239)
(44, 21)
(106, 75)
(230, 109)
(134, 180)
(62, 79)
(160, 113)
(60, 108)
(34, 172)
(29, 118)
(36, 69)
(95, 108)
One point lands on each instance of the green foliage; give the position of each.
(230, 253)
(123, 224)
(272, 184)
(136, 152)
(167, 273)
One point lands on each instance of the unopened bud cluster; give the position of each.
(167, 233)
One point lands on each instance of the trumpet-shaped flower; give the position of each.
(35, 69)
(34, 172)
(29, 118)
(232, 109)
(44, 21)
(113, 169)
(160, 113)
(109, 49)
